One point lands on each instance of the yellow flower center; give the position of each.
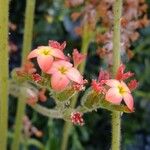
(63, 70)
(121, 90)
(45, 51)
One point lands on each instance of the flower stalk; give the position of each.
(27, 43)
(4, 9)
(116, 120)
(28, 29)
(84, 49)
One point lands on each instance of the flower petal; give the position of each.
(33, 53)
(78, 58)
(54, 68)
(74, 75)
(112, 83)
(113, 96)
(57, 64)
(59, 82)
(65, 63)
(45, 62)
(57, 53)
(125, 87)
(128, 100)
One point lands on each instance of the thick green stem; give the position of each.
(84, 49)
(116, 120)
(3, 73)
(27, 43)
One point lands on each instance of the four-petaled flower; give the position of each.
(63, 73)
(76, 118)
(45, 56)
(119, 91)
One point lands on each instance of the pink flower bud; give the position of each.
(97, 87)
(78, 58)
(103, 75)
(36, 77)
(76, 118)
(57, 45)
(133, 85)
(121, 75)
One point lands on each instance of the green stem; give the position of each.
(3, 73)
(84, 49)
(28, 30)
(18, 122)
(116, 120)
(51, 113)
(31, 141)
(27, 43)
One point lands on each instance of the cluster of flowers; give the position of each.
(63, 74)
(116, 90)
(53, 62)
(93, 12)
(113, 90)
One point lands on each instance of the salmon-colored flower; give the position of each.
(121, 75)
(103, 75)
(79, 87)
(119, 91)
(78, 58)
(98, 86)
(26, 69)
(63, 73)
(133, 84)
(57, 45)
(45, 56)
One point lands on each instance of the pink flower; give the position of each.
(78, 58)
(119, 91)
(98, 86)
(133, 85)
(57, 45)
(36, 77)
(121, 75)
(45, 56)
(103, 75)
(63, 73)
(79, 87)
(76, 118)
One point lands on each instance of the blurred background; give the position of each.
(63, 20)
